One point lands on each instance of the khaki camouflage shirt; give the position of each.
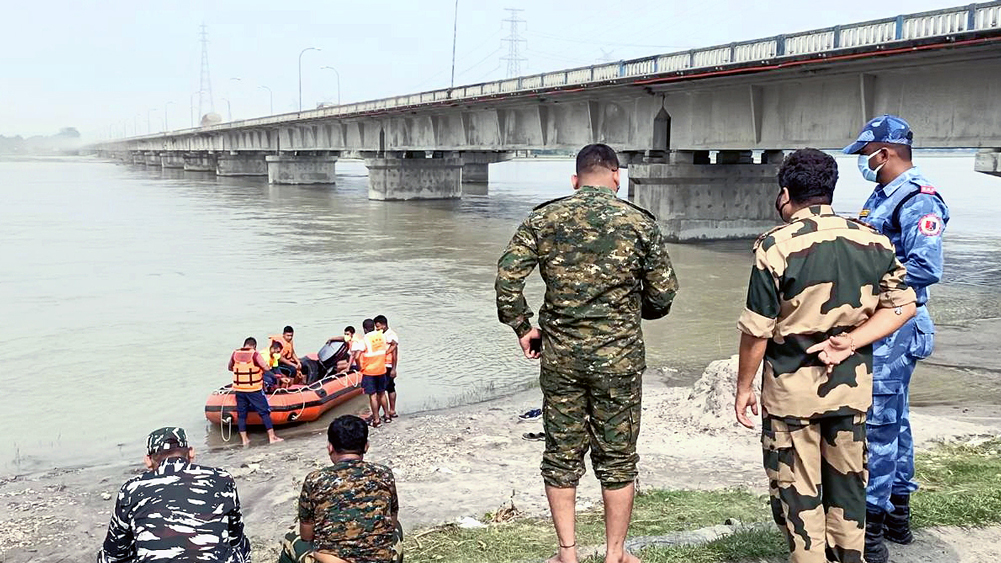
(605, 266)
(351, 505)
(819, 276)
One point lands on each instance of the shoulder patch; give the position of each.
(638, 208)
(927, 190)
(930, 225)
(541, 205)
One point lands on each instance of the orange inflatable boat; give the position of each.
(299, 403)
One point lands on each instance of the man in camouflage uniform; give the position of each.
(822, 289)
(906, 208)
(605, 267)
(348, 512)
(176, 511)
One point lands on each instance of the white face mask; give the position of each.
(863, 165)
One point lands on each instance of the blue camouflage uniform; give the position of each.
(911, 213)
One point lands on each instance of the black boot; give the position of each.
(875, 549)
(897, 526)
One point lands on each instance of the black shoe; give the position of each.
(875, 549)
(897, 526)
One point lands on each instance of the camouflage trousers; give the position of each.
(817, 475)
(600, 412)
(297, 550)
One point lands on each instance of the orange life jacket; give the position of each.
(247, 375)
(373, 359)
(287, 352)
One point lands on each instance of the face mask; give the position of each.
(779, 206)
(863, 165)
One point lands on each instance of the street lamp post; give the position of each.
(271, 100)
(149, 129)
(338, 81)
(300, 72)
(192, 99)
(165, 106)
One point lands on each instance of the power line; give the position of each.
(514, 42)
(205, 89)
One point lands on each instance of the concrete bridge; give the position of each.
(701, 131)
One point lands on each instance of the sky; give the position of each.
(109, 67)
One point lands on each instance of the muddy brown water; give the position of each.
(124, 289)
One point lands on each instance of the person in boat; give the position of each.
(348, 511)
(248, 369)
(288, 363)
(344, 355)
(144, 526)
(371, 356)
(274, 379)
(392, 360)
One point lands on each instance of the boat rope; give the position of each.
(226, 423)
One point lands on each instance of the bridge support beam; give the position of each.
(411, 175)
(199, 162)
(139, 158)
(301, 168)
(241, 164)
(695, 200)
(989, 162)
(172, 160)
(153, 159)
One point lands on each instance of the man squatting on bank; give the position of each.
(822, 289)
(605, 267)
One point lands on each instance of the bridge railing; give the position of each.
(938, 23)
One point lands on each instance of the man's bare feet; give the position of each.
(564, 555)
(275, 440)
(246, 443)
(625, 557)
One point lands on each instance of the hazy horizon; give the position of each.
(107, 67)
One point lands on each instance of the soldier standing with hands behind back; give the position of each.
(909, 211)
(605, 267)
(822, 290)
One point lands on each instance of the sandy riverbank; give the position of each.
(449, 464)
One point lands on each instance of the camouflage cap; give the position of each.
(166, 438)
(882, 129)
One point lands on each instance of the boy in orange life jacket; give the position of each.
(271, 378)
(392, 360)
(248, 369)
(288, 363)
(372, 359)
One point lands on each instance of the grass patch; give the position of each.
(960, 485)
(654, 513)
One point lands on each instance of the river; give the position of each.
(124, 289)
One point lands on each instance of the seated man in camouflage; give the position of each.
(176, 511)
(823, 288)
(347, 511)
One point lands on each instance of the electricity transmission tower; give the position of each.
(514, 42)
(205, 103)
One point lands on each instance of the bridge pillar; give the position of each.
(301, 168)
(139, 158)
(988, 161)
(695, 200)
(172, 160)
(413, 176)
(152, 158)
(199, 162)
(475, 165)
(241, 164)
